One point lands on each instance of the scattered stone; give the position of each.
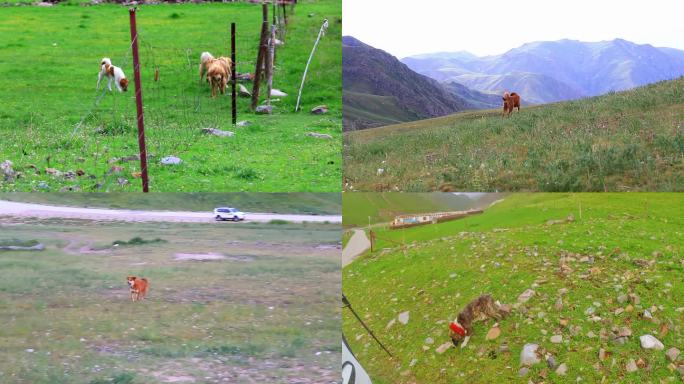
(525, 296)
(429, 340)
(53, 172)
(70, 188)
(130, 158)
(523, 371)
(43, 185)
(244, 76)
(631, 366)
(622, 298)
(551, 362)
(528, 355)
(590, 311)
(115, 170)
(171, 160)
(591, 334)
(650, 342)
(264, 110)
(557, 339)
(444, 347)
(319, 135)
(629, 308)
(391, 323)
(413, 362)
(277, 93)
(30, 350)
(641, 363)
(243, 123)
(319, 110)
(672, 354)
(562, 291)
(217, 132)
(7, 169)
(559, 304)
(493, 333)
(122, 182)
(562, 369)
(243, 92)
(380, 171)
(602, 354)
(404, 317)
(648, 315)
(634, 298)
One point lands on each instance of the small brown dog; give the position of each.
(138, 288)
(510, 101)
(480, 309)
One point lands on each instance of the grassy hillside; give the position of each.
(311, 203)
(362, 110)
(39, 121)
(619, 244)
(382, 207)
(628, 141)
(268, 311)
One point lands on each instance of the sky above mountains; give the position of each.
(490, 27)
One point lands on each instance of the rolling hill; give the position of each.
(559, 70)
(379, 90)
(591, 277)
(626, 141)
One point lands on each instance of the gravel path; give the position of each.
(8, 208)
(357, 245)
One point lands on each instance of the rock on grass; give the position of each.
(650, 342)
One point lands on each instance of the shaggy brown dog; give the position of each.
(138, 288)
(480, 309)
(217, 76)
(207, 59)
(510, 101)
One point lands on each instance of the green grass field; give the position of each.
(42, 108)
(628, 141)
(297, 203)
(268, 312)
(617, 244)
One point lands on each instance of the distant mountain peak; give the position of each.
(557, 70)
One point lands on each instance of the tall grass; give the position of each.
(628, 141)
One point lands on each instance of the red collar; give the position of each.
(457, 328)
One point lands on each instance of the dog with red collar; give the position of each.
(482, 308)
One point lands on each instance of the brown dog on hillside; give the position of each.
(138, 288)
(510, 101)
(480, 309)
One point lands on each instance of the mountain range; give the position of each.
(549, 71)
(379, 90)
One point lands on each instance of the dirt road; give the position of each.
(357, 245)
(8, 208)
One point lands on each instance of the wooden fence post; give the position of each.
(260, 56)
(139, 103)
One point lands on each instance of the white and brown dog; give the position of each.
(113, 73)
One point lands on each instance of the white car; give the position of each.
(227, 213)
